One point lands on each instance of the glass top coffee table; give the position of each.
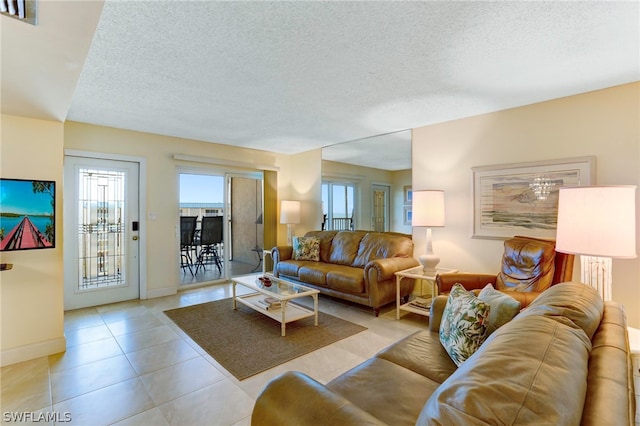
(273, 300)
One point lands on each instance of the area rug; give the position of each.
(246, 342)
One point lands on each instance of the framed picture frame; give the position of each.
(27, 214)
(408, 196)
(522, 198)
(407, 215)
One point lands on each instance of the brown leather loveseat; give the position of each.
(357, 266)
(563, 360)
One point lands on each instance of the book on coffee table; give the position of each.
(269, 303)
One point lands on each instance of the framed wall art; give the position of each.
(408, 215)
(522, 198)
(27, 214)
(407, 209)
(408, 196)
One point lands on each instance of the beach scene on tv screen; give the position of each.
(27, 214)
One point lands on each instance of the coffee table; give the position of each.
(281, 290)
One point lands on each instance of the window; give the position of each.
(338, 201)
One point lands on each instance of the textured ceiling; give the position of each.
(294, 76)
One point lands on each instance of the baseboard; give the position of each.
(35, 350)
(160, 292)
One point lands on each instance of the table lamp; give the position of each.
(428, 210)
(290, 215)
(598, 223)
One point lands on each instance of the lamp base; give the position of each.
(429, 263)
(596, 272)
(290, 227)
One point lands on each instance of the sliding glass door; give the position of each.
(338, 205)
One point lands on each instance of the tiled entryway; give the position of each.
(128, 364)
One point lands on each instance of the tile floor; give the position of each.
(128, 364)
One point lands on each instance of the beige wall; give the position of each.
(604, 123)
(162, 184)
(301, 182)
(31, 294)
(365, 177)
(401, 178)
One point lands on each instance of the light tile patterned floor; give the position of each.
(128, 364)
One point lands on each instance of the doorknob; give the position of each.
(134, 238)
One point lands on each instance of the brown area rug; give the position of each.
(246, 342)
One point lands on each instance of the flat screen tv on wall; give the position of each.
(27, 214)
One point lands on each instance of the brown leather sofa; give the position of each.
(529, 266)
(357, 266)
(564, 360)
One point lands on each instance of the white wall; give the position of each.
(603, 123)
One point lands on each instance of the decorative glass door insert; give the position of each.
(102, 231)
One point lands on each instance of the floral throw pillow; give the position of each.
(464, 324)
(306, 248)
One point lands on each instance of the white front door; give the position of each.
(101, 252)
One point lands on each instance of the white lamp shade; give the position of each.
(290, 212)
(428, 208)
(597, 221)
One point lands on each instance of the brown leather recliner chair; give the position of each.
(529, 266)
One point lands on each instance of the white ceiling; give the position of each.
(294, 76)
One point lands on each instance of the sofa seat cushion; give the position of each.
(314, 273)
(346, 279)
(422, 353)
(530, 371)
(385, 390)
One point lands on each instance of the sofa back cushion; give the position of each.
(574, 304)
(527, 265)
(530, 371)
(382, 245)
(344, 247)
(325, 237)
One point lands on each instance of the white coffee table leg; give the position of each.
(398, 280)
(315, 307)
(234, 294)
(284, 323)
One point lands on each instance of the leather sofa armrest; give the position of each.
(444, 282)
(294, 397)
(279, 253)
(476, 282)
(387, 267)
(524, 297)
